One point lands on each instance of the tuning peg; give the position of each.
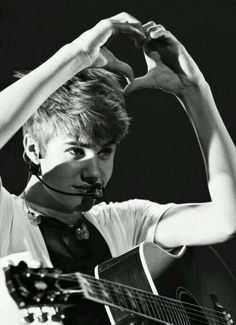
(43, 318)
(57, 316)
(27, 316)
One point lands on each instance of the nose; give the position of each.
(90, 172)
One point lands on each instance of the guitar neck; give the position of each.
(134, 300)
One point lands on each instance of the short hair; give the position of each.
(91, 104)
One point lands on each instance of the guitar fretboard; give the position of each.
(134, 300)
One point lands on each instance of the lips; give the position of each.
(95, 190)
(82, 188)
(85, 187)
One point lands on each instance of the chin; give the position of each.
(86, 204)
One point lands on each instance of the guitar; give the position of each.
(194, 289)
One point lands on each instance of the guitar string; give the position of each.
(105, 282)
(138, 293)
(143, 312)
(143, 293)
(142, 307)
(173, 307)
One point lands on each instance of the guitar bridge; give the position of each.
(219, 308)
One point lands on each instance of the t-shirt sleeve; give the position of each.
(140, 218)
(6, 217)
(127, 224)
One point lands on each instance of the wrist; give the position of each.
(197, 99)
(194, 89)
(77, 58)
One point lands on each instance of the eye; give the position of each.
(76, 152)
(105, 153)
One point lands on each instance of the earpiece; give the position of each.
(34, 169)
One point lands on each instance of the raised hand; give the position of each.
(93, 42)
(170, 67)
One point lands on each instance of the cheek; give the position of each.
(59, 172)
(51, 162)
(107, 172)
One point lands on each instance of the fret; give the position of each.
(104, 292)
(93, 289)
(183, 315)
(100, 293)
(173, 312)
(153, 309)
(123, 302)
(145, 303)
(164, 311)
(174, 309)
(115, 295)
(179, 315)
(136, 301)
(148, 307)
(143, 306)
(131, 300)
(159, 314)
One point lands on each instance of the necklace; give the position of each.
(34, 219)
(80, 228)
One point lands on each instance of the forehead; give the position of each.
(85, 142)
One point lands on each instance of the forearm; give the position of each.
(217, 147)
(21, 99)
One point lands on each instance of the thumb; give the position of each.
(137, 84)
(115, 65)
(122, 68)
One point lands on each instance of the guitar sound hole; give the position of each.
(194, 312)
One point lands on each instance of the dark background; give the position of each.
(160, 160)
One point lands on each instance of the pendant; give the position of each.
(34, 220)
(82, 232)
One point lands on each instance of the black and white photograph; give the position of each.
(117, 162)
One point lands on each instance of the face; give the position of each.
(72, 165)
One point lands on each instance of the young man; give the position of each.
(71, 141)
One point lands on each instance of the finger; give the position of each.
(109, 61)
(122, 68)
(158, 33)
(148, 25)
(154, 30)
(108, 27)
(137, 84)
(125, 17)
(133, 30)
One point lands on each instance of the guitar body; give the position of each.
(191, 288)
(199, 277)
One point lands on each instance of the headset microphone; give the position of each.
(96, 190)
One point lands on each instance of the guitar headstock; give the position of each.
(40, 289)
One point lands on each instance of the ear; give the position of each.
(31, 149)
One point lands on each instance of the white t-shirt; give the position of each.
(123, 225)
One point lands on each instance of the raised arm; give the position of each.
(21, 99)
(171, 68)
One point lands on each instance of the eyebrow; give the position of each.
(88, 145)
